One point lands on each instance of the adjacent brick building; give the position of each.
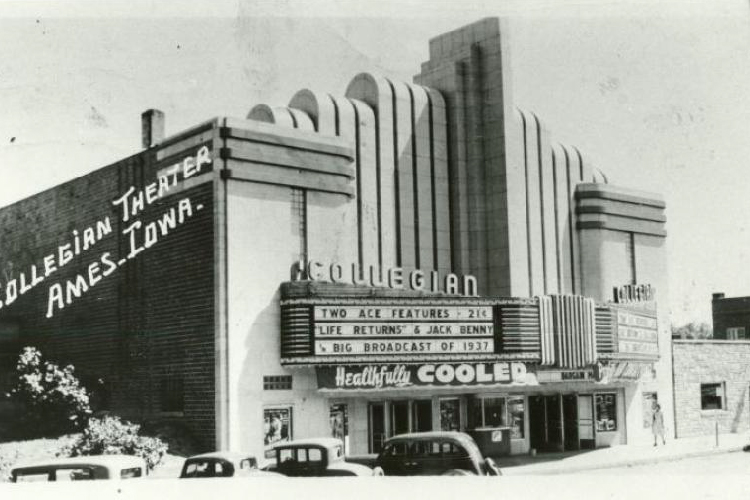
(731, 317)
(711, 386)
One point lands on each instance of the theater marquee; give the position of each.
(398, 329)
(339, 324)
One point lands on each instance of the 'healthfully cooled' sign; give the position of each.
(398, 376)
(397, 329)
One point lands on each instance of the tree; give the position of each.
(52, 398)
(693, 330)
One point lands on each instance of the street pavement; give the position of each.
(622, 456)
(736, 463)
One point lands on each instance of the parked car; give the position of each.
(222, 464)
(434, 453)
(111, 467)
(315, 457)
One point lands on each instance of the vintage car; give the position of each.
(434, 453)
(223, 464)
(111, 467)
(315, 457)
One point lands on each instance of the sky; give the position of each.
(655, 94)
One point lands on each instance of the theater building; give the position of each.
(398, 257)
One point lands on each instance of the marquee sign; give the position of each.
(637, 333)
(626, 294)
(400, 376)
(395, 277)
(338, 324)
(398, 329)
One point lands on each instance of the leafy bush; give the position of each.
(53, 399)
(111, 436)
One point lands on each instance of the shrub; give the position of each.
(111, 436)
(53, 399)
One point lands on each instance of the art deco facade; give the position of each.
(397, 257)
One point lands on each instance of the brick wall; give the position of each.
(150, 316)
(697, 362)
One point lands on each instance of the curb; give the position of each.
(626, 463)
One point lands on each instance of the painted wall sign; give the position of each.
(394, 277)
(397, 329)
(93, 266)
(186, 167)
(637, 333)
(396, 376)
(626, 294)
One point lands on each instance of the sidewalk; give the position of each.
(620, 456)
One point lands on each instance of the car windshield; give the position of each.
(208, 468)
(131, 473)
(74, 474)
(30, 477)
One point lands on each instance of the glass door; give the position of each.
(586, 421)
(450, 414)
(421, 415)
(570, 422)
(376, 418)
(399, 417)
(554, 422)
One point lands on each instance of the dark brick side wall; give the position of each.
(152, 317)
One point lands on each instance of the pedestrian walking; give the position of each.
(657, 425)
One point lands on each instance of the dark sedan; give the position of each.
(432, 454)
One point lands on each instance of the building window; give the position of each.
(277, 382)
(172, 394)
(630, 257)
(736, 333)
(277, 427)
(506, 411)
(606, 412)
(712, 396)
(299, 223)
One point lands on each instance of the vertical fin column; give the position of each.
(376, 92)
(441, 195)
(404, 175)
(423, 177)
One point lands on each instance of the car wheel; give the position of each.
(457, 472)
(378, 471)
